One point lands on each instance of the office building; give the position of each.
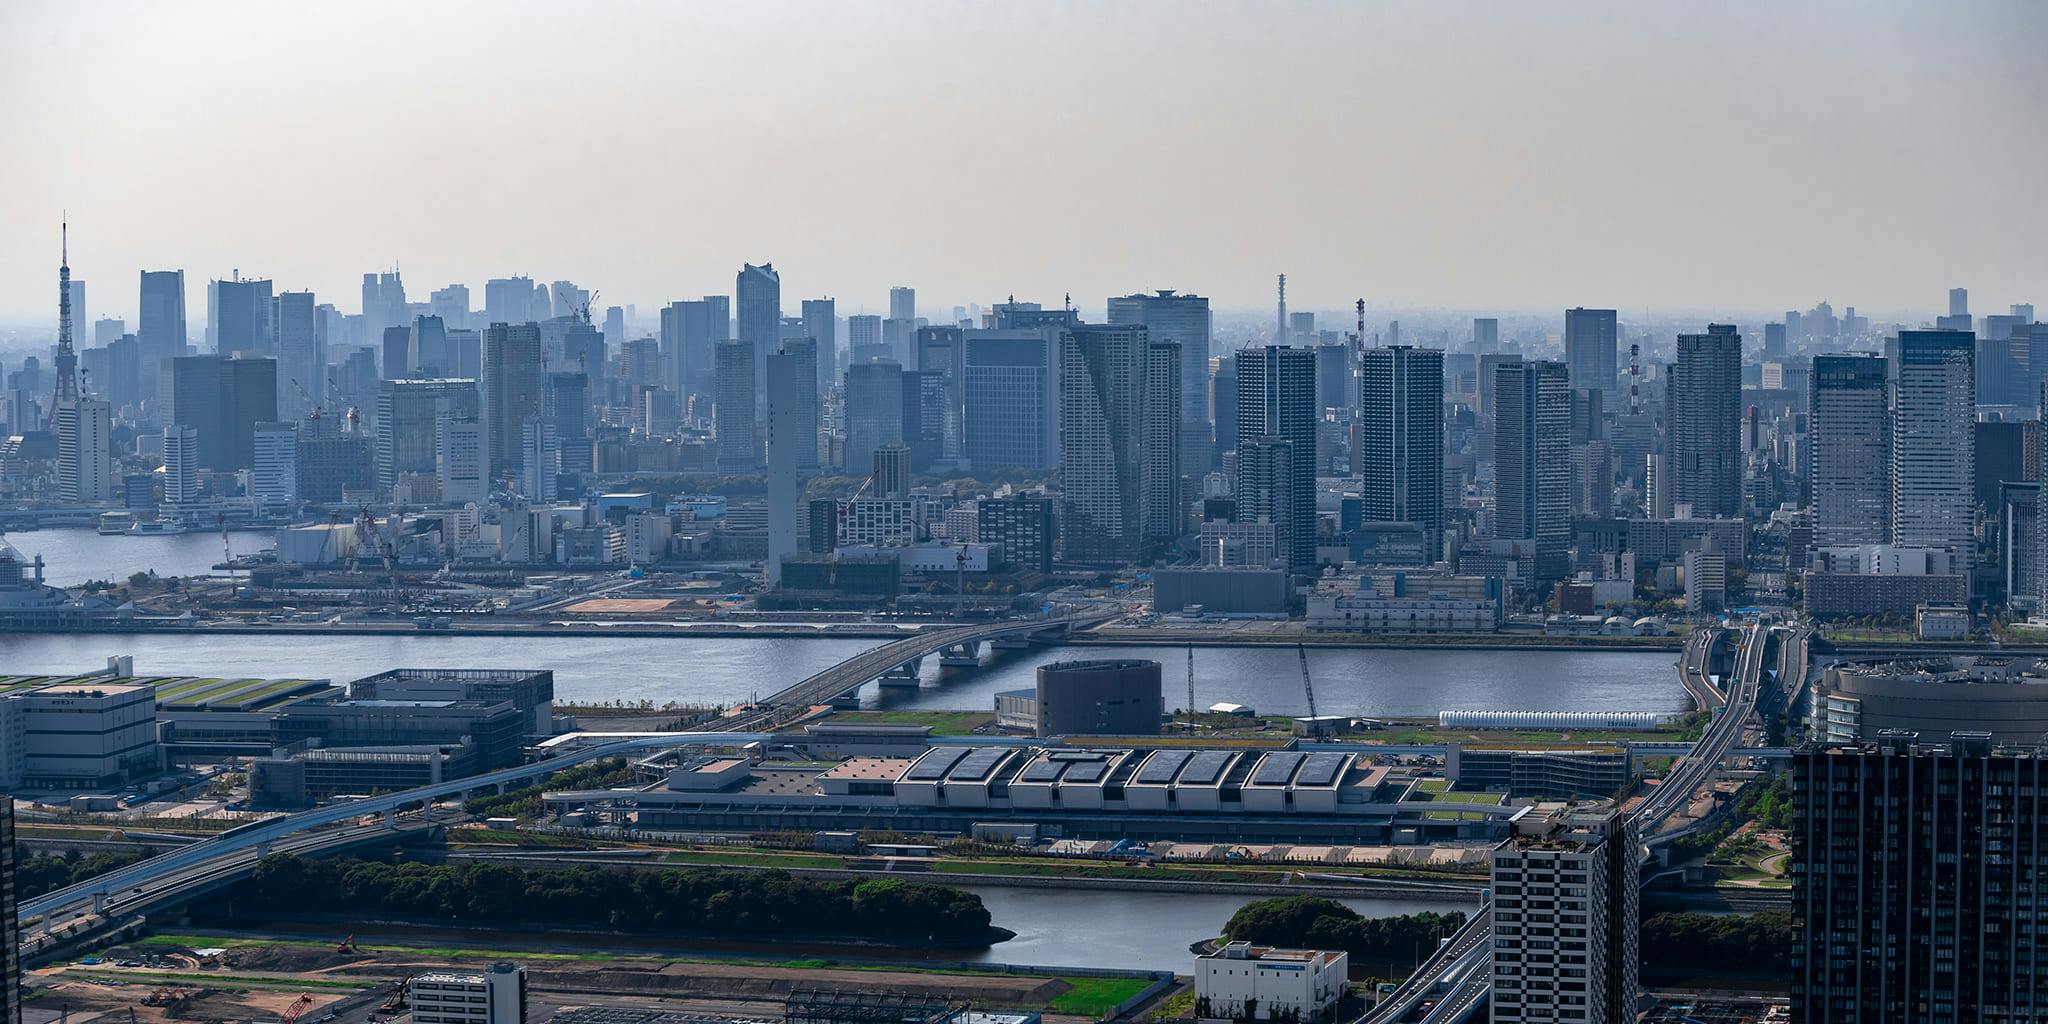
(1959, 302)
(821, 323)
(864, 338)
(942, 353)
(1009, 399)
(430, 349)
(1590, 342)
(1276, 420)
(1102, 397)
(1223, 404)
(1532, 463)
(758, 291)
(451, 304)
(874, 412)
(792, 440)
(509, 300)
(240, 319)
(1334, 388)
(1704, 418)
(1850, 437)
(511, 393)
(181, 467)
(902, 303)
(1565, 905)
(462, 460)
(301, 355)
(496, 996)
(1913, 871)
(1161, 432)
(540, 458)
(85, 462)
(1171, 317)
(734, 425)
(1933, 451)
(123, 378)
(160, 322)
(1401, 439)
(274, 475)
(1485, 335)
(1021, 527)
(408, 414)
(223, 399)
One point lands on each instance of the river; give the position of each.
(713, 670)
(717, 670)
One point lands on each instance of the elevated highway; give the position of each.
(1455, 980)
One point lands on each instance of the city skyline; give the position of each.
(1537, 153)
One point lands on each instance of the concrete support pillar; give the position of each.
(390, 819)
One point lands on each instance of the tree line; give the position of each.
(728, 902)
(45, 872)
(525, 802)
(1311, 922)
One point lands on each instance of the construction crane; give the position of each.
(839, 528)
(1307, 687)
(296, 1010)
(311, 402)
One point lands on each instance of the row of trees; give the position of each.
(1311, 922)
(1753, 944)
(525, 802)
(730, 903)
(47, 873)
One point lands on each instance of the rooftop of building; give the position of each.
(1247, 951)
(96, 689)
(869, 769)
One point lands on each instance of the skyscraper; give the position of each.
(874, 412)
(540, 457)
(1959, 302)
(1850, 435)
(1705, 422)
(1914, 881)
(222, 399)
(508, 300)
(451, 304)
(733, 421)
(759, 293)
(1102, 397)
(160, 323)
(792, 438)
(1485, 335)
(241, 317)
(511, 393)
(10, 919)
(863, 338)
(274, 474)
(821, 322)
(85, 467)
(409, 414)
(301, 358)
(1162, 432)
(1565, 910)
(797, 403)
(1276, 402)
(1590, 340)
(1184, 319)
(902, 303)
(1401, 439)
(384, 300)
(1009, 399)
(181, 466)
(461, 460)
(1532, 463)
(1933, 440)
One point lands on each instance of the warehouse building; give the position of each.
(88, 734)
(1099, 698)
(1243, 982)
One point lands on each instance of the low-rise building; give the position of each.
(1405, 601)
(1221, 591)
(87, 734)
(1946, 622)
(1243, 982)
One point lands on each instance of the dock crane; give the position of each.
(1307, 686)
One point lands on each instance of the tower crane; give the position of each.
(311, 402)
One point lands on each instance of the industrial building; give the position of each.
(1583, 773)
(1243, 982)
(1209, 794)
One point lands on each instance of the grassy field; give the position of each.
(215, 980)
(943, 723)
(1096, 996)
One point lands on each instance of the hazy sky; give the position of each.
(1517, 155)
